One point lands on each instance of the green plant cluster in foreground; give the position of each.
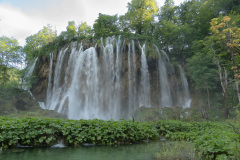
(213, 139)
(45, 132)
(180, 150)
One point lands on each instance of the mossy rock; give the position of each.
(146, 114)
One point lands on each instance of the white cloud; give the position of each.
(23, 22)
(14, 23)
(30, 16)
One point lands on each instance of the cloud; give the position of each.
(27, 18)
(15, 23)
(20, 19)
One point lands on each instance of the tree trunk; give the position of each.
(224, 83)
(209, 106)
(226, 110)
(4, 75)
(235, 76)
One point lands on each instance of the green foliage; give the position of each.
(44, 132)
(140, 15)
(216, 142)
(203, 71)
(167, 11)
(10, 55)
(105, 25)
(213, 140)
(71, 30)
(210, 138)
(167, 33)
(35, 42)
(84, 30)
(176, 150)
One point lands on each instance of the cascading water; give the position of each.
(166, 98)
(27, 78)
(55, 94)
(145, 97)
(186, 99)
(130, 89)
(86, 84)
(49, 91)
(91, 87)
(134, 81)
(29, 74)
(132, 96)
(84, 90)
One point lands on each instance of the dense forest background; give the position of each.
(201, 35)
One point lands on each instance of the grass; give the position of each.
(178, 150)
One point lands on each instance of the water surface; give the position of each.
(143, 151)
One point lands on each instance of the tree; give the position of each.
(105, 24)
(203, 73)
(228, 34)
(9, 55)
(71, 30)
(84, 30)
(167, 12)
(141, 14)
(166, 32)
(38, 40)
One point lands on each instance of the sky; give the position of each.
(22, 18)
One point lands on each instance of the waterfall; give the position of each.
(86, 84)
(83, 93)
(134, 85)
(186, 99)
(29, 74)
(145, 99)
(110, 79)
(130, 89)
(54, 94)
(166, 98)
(91, 86)
(132, 96)
(49, 91)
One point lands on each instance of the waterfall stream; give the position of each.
(29, 74)
(85, 84)
(145, 97)
(166, 98)
(186, 99)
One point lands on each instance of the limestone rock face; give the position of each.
(39, 88)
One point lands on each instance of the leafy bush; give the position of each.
(176, 150)
(213, 140)
(45, 132)
(217, 142)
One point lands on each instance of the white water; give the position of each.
(145, 97)
(110, 80)
(186, 99)
(130, 86)
(29, 74)
(166, 97)
(85, 85)
(55, 94)
(132, 95)
(49, 89)
(59, 144)
(134, 79)
(91, 87)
